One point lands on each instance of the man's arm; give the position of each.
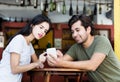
(67, 62)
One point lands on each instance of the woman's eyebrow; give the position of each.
(42, 26)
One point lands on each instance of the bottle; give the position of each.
(107, 6)
(51, 6)
(46, 6)
(89, 12)
(64, 8)
(77, 9)
(35, 3)
(21, 19)
(84, 8)
(9, 19)
(58, 7)
(45, 10)
(100, 9)
(15, 19)
(95, 9)
(54, 5)
(48, 44)
(41, 5)
(71, 9)
(22, 3)
(29, 2)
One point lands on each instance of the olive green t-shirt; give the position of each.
(109, 70)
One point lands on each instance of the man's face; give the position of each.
(79, 33)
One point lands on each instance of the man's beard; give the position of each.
(83, 42)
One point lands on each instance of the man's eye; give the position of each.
(77, 30)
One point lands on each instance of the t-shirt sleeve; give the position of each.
(16, 44)
(103, 45)
(72, 52)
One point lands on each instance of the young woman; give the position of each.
(19, 52)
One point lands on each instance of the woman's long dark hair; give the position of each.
(27, 30)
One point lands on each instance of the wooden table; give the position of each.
(47, 72)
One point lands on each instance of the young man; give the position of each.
(92, 53)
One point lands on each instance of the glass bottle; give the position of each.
(35, 3)
(15, 19)
(46, 6)
(41, 5)
(89, 12)
(29, 2)
(45, 10)
(9, 19)
(21, 19)
(51, 6)
(84, 8)
(100, 9)
(54, 5)
(77, 9)
(58, 7)
(64, 7)
(22, 3)
(71, 9)
(95, 8)
(48, 45)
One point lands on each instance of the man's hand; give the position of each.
(54, 62)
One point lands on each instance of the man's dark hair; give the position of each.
(85, 21)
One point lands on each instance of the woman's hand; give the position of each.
(42, 57)
(39, 64)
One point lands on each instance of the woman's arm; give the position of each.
(17, 68)
(34, 58)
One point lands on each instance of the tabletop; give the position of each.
(57, 71)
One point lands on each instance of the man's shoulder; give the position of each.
(100, 37)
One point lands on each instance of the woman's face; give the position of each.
(40, 30)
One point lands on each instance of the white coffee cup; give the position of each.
(52, 51)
